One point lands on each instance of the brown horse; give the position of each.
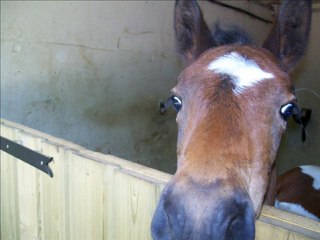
(298, 191)
(233, 102)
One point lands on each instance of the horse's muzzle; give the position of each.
(179, 217)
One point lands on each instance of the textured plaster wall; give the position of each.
(94, 73)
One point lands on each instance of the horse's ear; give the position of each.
(289, 35)
(191, 31)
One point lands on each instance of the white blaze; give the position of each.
(244, 72)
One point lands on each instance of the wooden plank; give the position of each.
(298, 236)
(42, 135)
(290, 221)
(10, 228)
(85, 203)
(266, 231)
(54, 194)
(269, 231)
(28, 191)
(129, 205)
(128, 167)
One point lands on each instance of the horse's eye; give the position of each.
(176, 102)
(288, 110)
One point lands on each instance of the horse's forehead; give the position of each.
(244, 66)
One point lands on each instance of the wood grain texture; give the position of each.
(130, 203)
(10, 228)
(53, 194)
(28, 191)
(267, 231)
(85, 200)
(291, 222)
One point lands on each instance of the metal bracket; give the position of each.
(27, 155)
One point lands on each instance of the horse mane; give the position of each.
(231, 34)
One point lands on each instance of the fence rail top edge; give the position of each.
(131, 168)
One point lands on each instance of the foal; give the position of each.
(298, 191)
(233, 102)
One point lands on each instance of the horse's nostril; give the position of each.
(241, 228)
(242, 225)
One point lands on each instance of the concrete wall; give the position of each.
(95, 72)
(92, 73)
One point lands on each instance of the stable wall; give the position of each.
(95, 72)
(91, 72)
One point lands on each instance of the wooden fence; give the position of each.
(96, 196)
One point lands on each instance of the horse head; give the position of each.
(233, 102)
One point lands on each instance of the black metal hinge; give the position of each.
(27, 155)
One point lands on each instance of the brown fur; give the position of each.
(296, 187)
(219, 125)
(272, 190)
(190, 46)
(294, 22)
